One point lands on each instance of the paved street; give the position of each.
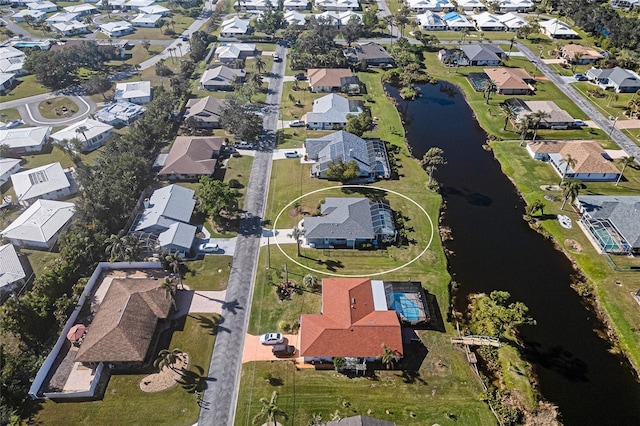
(221, 396)
(587, 107)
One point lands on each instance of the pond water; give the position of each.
(494, 249)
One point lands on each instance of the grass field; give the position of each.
(211, 273)
(125, 403)
(28, 86)
(59, 107)
(9, 114)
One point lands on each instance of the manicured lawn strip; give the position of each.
(28, 86)
(210, 273)
(304, 392)
(612, 104)
(9, 114)
(239, 168)
(125, 403)
(52, 156)
(51, 107)
(621, 309)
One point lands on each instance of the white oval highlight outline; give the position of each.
(356, 275)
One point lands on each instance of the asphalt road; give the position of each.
(221, 396)
(587, 107)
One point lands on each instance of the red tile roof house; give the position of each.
(355, 322)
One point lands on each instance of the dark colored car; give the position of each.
(300, 76)
(281, 351)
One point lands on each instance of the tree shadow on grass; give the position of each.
(213, 325)
(194, 381)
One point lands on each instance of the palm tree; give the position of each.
(105, 6)
(536, 206)
(171, 50)
(524, 124)
(270, 411)
(137, 68)
(389, 356)
(82, 130)
(569, 162)
(625, 161)
(297, 234)
(260, 64)
(173, 262)
(310, 281)
(132, 248)
(489, 88)
(170, 288)
(256, 80)
(538, 116)
(570, 190)
(179, 46)
(115, 248)
(167, 358)
(431, 159)
(509, 114)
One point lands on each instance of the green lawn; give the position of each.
(9, 114)
(59, 107)
(125, 403)
(28, 86)
(211, 273)
(612, 104)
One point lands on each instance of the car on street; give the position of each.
(185, 37)
(272, 339)
(297, 123)
(281, 351)
(208, 248)
(291, 154)
(580, 77)
(277, 58)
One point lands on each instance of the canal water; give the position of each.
(494, 249)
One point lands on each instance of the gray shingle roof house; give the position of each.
(482, 54)
(350, 223)
(368, 54)
(613, 222)
(370, 154)
(331, 112)
(12, 272)
(221, 78)
(205, 111)
(621, 80)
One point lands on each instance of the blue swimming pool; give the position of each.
(405, 307)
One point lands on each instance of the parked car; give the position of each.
(580, 77)
(272, 339)
(300, 76)
(291, 154)
(297, 123)
(281, 351)
(244, 145)
(208, 248)
(579, 123)
(185, 37)
(277, 58)
(14, 123)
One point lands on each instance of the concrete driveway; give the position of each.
(227, 246)
(204, 302)
(255, 351)
(279, 154)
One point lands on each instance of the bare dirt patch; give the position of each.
(572, 245)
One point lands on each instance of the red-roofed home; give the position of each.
(355, 322)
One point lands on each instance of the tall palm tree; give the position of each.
(625, 161)
(179, 46)
(433, 158)
(115, 248)
(167, 358)
(173, 262)
(509, 114)
(170, 288)
(524, 124)
(132, 248)
(82, 130)
(297, 234)
(489, 88)
(570, 190)
(171, 50)
(569, 162)
(536, 206)
(389, 356)
(256, 80)
(270, 411)
(538, 116)
(260, 64)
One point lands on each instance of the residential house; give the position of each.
(486, 21)
(205, 111)
(40, 225)
(368, 54)
(116, 29)
(624, 4)
(512, 22)
(7, 80)
(37, 15)
(338, 18)
(355, 322)
(255, 4)
(555, 28)
(483, 54)
(49, 182)
(612, 222)
(590, 162)
(331, 112)
(26, 139)
(511, 81)
(457, 22)
(521, 6)
(421, 6)
(82, 9)
(618, 79)
(137, 92)
(12, 60)
(556, 118)
(429, 21)
(8, 166)
(42, 6)
(295, 18)
(64, 17)
(350, 223)
(290, 5)
(146, 20)
(234, 27)
(165, 208)
(120, 114)
(120, 46)
(70, 28)
(221, 78)
(359, 421)
(12, 273)
(333, 80)
(155, 9)
(137, 4)
(230, 52)
(453, 57)
(192, 157)
(471, 5)
(581, 55)
(92, 134)
(337, 5)
(369, 154)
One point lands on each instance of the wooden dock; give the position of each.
(476, 341)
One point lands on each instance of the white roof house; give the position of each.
(62, 17)
(486, 21)
(137, 4)
(11, 270)
(295, 4)
(555, 28)
(44, 6)
(116, 29)
(154, 9)
(230, 52)
(27, 139)
(331, 112)
(8, 166)
(70, 28)
(11, 60)
(515, 5)
(431, 21)
(234, 26)
(40, 225)
(6, 80)
(456, 22)
(512, 22)
(82, 9)
(295, 18)
(339, 5)
(432, 5)
(339, 18)
(145, 20)
(137, 92)
(471, 5)
(37, 15)
(48, 181)
(120, 113)
(91, 134)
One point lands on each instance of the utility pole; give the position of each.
(286, 274)
(268, 251)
